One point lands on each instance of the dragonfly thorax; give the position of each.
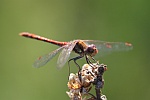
(83, 49)
(79, 49)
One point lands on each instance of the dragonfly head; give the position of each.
(91, 50)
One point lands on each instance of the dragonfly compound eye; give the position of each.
(92, 50)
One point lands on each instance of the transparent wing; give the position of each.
(41, 61)
(109, 47)
(64, 55)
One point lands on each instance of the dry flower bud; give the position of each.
(90, 74)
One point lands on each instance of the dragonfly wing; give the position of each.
(109, 47)
(41, 61)
(64, 55)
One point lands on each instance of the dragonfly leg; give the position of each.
(89, 61)
(74, 59)
(93, 59)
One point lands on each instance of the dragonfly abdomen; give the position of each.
(37, 37)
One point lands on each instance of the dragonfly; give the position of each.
(84, 48)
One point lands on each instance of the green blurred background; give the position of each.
(128, 73)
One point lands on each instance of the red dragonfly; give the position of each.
(87, 48)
